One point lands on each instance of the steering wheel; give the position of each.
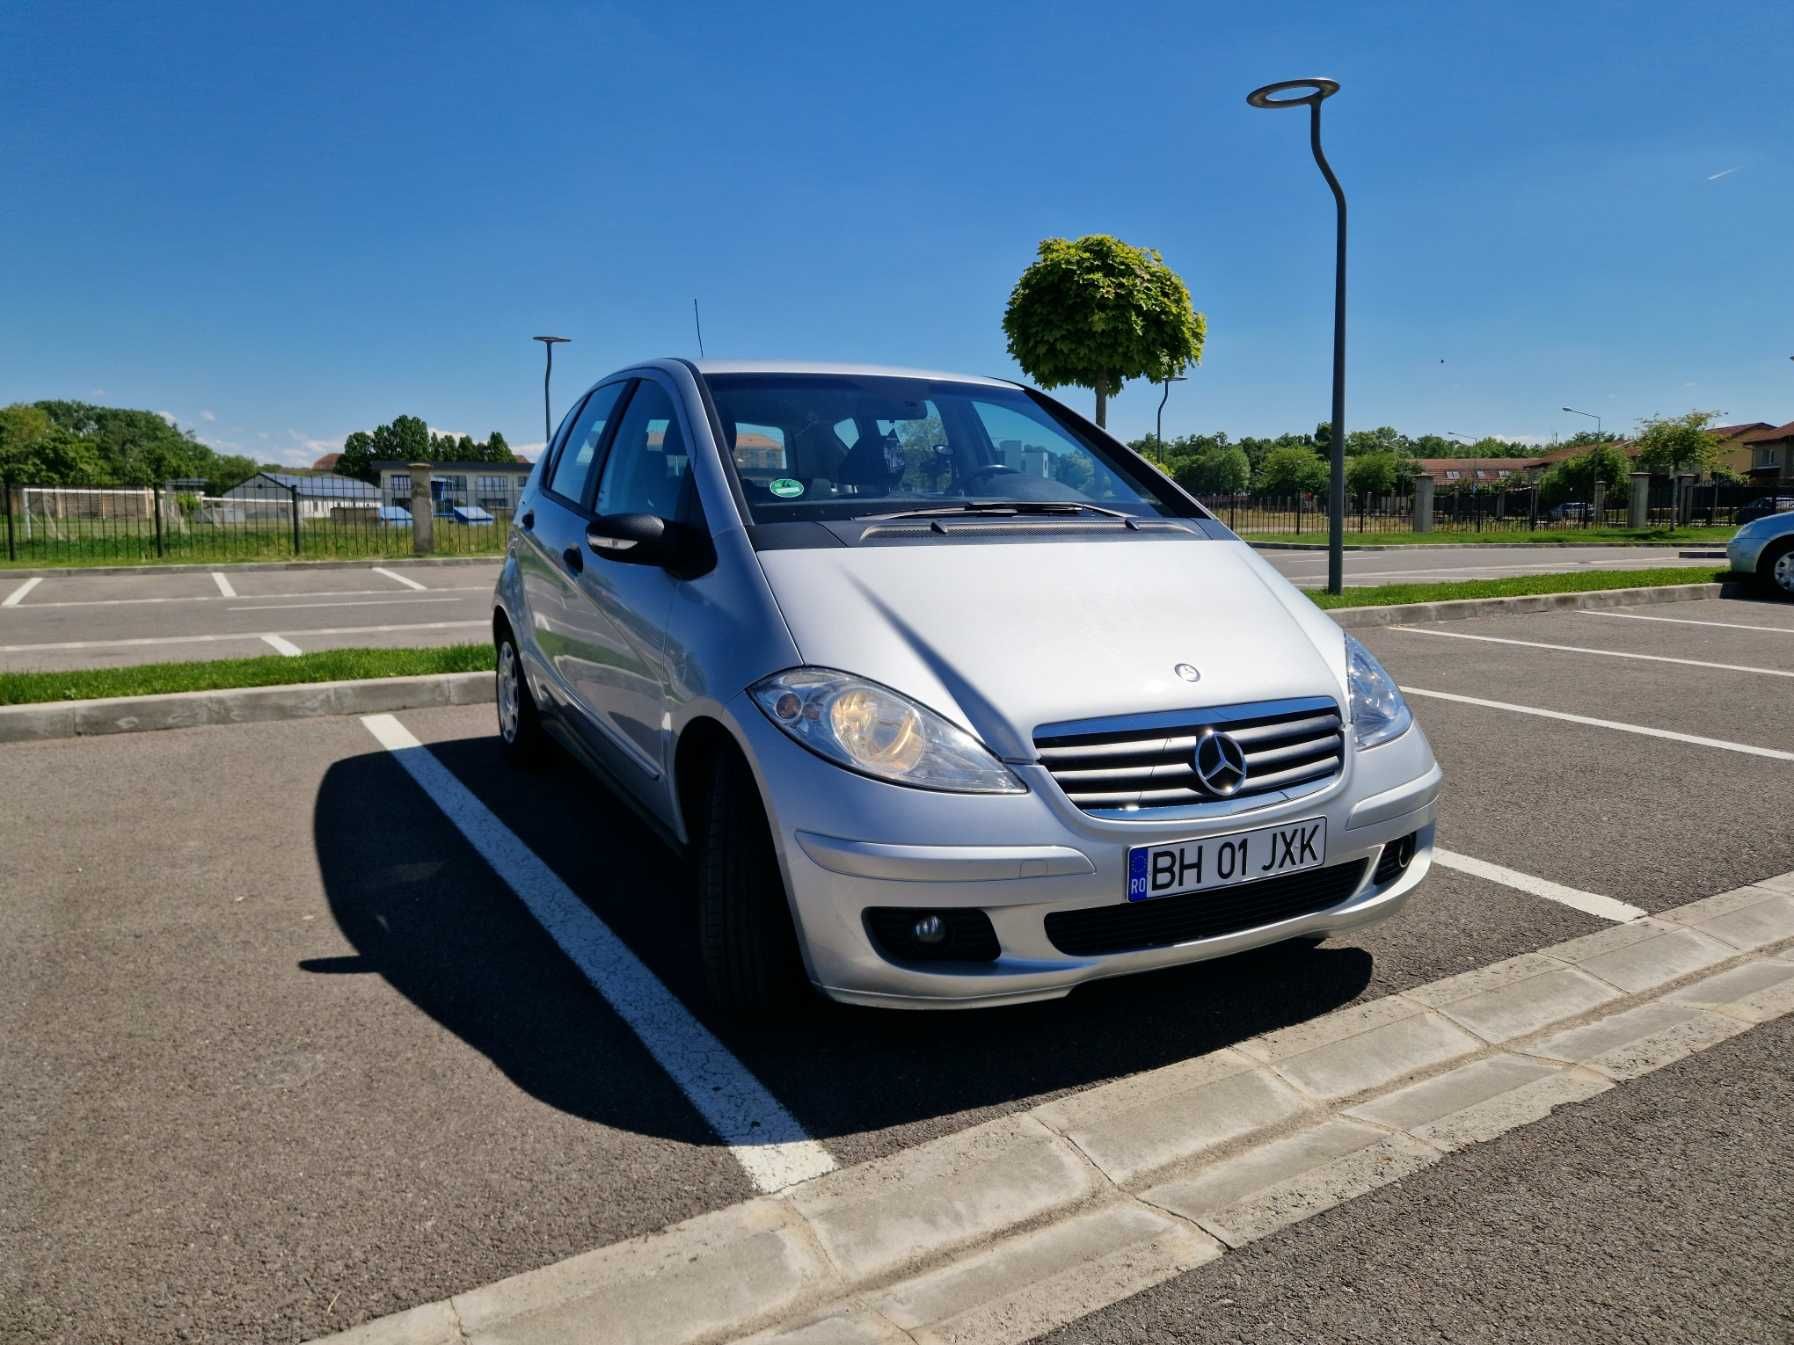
(989, 469)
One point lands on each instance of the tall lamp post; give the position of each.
(548, 345)
(1158, 433)
(1590, 414)
(1315, 91)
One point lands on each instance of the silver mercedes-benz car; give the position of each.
(953, 699)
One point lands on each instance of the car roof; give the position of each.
(709, 367)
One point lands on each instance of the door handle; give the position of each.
(573, 560)
(529, 518)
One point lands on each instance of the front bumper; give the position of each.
(1745, 550)
(847, 843)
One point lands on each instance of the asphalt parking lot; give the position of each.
(78, 620)
(82, 620)
(285, 1065)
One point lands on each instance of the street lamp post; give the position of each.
(1158, 433)
(1591, 415)
(1316, 91)
(548, 345)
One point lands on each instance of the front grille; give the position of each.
(1145, 762)
(1128, 927)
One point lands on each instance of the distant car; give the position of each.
(1572, 509)
(1766, 507)
(1764, 549)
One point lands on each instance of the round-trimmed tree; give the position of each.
(1093, 312)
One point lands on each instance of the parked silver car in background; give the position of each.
(955, 700)
(1764, 549)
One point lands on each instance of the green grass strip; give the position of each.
(1582, 581)
(1489, 537)
(153, 679)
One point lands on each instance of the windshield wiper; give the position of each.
(1012, 508)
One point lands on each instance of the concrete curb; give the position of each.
(1461, 609)
(243, 705)
(1000, 1232)
(1447, 546)
(240, 566)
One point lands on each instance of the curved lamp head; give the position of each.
(1313, 91)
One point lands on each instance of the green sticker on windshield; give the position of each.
(786, 488)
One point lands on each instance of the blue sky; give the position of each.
(281, 224)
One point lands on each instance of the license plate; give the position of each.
(1224, 861)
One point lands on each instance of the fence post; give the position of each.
(1638, 509)
(1600, 509)
(423, 509)
(156, 504)
(293, 495)
(12, 552)
(1423, 503)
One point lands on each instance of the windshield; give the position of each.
(837, 446)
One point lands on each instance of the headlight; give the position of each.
(871, 729)
(1378, 711)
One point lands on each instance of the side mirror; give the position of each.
(647, 539)
(637, 539)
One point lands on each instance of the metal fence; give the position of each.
(1511, 509)
(271, 516)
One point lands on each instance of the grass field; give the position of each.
(1584, 581)
(153, 679)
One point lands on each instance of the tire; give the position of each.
(1776, 569)
(746, 941)
(519, 722)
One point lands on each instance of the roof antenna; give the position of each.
(699, 325)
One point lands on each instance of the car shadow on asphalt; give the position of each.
(422, 910)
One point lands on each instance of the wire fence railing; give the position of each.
(1517, 509)
(271, 516)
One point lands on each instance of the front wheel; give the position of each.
(746, 940)
(1777, 569)
(519, 722)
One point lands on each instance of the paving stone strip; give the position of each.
(1002, 1231)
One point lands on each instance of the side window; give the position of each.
(645, 470)
(573, 468)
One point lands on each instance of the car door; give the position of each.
(625, 679)
(561, 622)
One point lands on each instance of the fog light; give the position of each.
(929, 929)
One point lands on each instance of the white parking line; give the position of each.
(1690, 621)
(1696, 740)
(244, 635)
(1591, 903)
(224, 588)
(366, 602)
(281, 645)
(1598, 653)
(766, 1139)
(408, 583)
(17, 596)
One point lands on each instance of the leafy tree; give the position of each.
(1383, 439)
(1290, 469)
(1215, 469)
(230, 470)
(1374, 473)
(358, 456)
(1679, 444)
(22, 428)
(497, 448)
(1095, 312)
(1603, 462)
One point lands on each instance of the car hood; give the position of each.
(1004, 637)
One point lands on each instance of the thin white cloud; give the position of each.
(207, 415)
(98, 392)
(1724, 172)
(167, 415)
(530, 451)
